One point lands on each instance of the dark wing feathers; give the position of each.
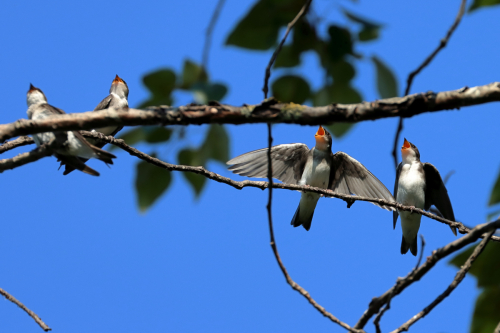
(436, 194)
(77, 163)
(288, 162)
(348, 176)
(395, 194)
(104, 104)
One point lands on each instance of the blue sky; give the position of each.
(77, 251)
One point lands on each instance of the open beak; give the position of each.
(406, 145)
(117, 80)
(320, 132)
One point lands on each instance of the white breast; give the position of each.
(411, 187)
(316, 171)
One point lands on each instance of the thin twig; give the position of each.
(208, 33)
(427, 61)
(274, 246)
(25, 158)
(456, 281)
(278, 49)
(33, 315)
(19, 142)
(415, 275)
(260, 184)
(399, 281)
(268, 111)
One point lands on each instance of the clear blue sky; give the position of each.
(77, 251)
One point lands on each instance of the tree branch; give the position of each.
(19, 142)
(208, 33)
(426, 62)
(456, 281)
(25, 158)
(248, 183)
(267, 111)
(415, 275)
(33, 315)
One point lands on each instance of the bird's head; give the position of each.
(323, 139)
(35, 96)
(119, 87)
(410, 152)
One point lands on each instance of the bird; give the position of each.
(295, 163)
(418, 185)
(72, 146)
(117, 99)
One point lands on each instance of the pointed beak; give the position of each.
(406, 145)
(32, 88)
(117, 80)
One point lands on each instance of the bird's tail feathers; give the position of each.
(305, 212)
(405, 246)
(74, 162)
(103, 155)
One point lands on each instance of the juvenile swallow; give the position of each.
(117, 99)
(295, 163)
(419, 185)
(73, 145)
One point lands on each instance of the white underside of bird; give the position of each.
(411, 192)
(316, 174)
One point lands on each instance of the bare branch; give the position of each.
(268, 111)
(208, 33)
(415, 275)
(278, 49)
(19, 142)
(33, 315)
(258, 184)
(427, 61)
(456, 281)
(25, 158)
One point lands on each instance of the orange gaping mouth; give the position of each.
(406, 145)
(320, 132)
(117, 79)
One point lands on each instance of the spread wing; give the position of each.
(436, 194)
(288, 162)
(104, 104)
(395, 212)
(348, 176)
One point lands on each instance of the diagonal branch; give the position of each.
(19, 142)
(25, 158)
(456, 281)
(415, 275)
(208, 33)
(257, 184)
(426, 62)
(33, 315)
(267, 111)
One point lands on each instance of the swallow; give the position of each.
(117, 99)
(72, 146)
(295, 163)
(418, 185)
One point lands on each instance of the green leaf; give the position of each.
(217, 143)
(342, 71)
(160, 84)
(291, 88)
(205, 92)
(369, 31)
(368, 34)
(486, 268)
(483, 3)
(340, 43)
(495, 193)
(487, 311)
(361, 20)
(288, 57)
(194, 158)
(339, 129)
(387, 85)
(157, 134)
(337, 93)
(259, 29)
(191, 74)
(304, 36)
(150, 183)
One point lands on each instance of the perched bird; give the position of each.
(72, 145)
(295, 163)
(117, 99)
(418, 185)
